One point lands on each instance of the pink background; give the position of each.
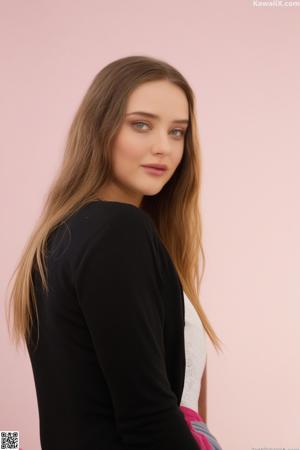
(243, 64)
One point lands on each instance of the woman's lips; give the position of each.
(154, 171)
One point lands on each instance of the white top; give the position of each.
(195, 355)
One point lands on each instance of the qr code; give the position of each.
(9, 439)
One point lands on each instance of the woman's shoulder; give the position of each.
(107, 224)
(101, 230)
(103, 227)
(108, 231)
(110, 216)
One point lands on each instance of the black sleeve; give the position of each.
(118, 287)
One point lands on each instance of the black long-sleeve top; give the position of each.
(110, 362)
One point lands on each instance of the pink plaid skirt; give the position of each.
(199, 429)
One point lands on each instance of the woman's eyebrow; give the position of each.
(154, 116)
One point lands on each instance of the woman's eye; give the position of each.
(179, 130)
(138, 123)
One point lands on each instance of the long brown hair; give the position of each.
(87, 165)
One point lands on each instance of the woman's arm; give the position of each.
(118, 283)
(202, 396)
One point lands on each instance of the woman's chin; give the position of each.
(152, 191)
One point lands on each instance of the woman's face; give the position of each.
(144, 140)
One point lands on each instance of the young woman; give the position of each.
(106, 294)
